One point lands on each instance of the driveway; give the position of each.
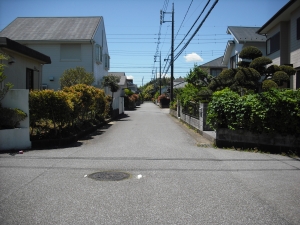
(172, 180)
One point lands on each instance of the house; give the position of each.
(24, 67)
(69, 41)
(118, 101)
(131, 85)
(214, 67)
(282, 33)
(242, 37)
(179, 83)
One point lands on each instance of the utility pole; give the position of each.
(172, 56)
(160, 73)
(172, 47)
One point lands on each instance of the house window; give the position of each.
(98, 53)
(106, 61)
(215, 72)
(298, 28)
(234, 61)
(29, 79)
(273, 44)
(70, 52)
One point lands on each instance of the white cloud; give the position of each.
(193, 57)
(129, 77)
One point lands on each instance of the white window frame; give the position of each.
(98, 53)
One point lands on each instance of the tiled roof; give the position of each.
(214, 63)
(246, 34)
(51, 28)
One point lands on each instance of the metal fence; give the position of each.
(191, 109)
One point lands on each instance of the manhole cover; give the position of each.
(109, 176)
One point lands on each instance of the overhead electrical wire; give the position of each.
(193, 25)
(196, 31)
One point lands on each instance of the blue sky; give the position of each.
(133, 27)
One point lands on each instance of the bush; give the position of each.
(268, 85)
(11, 118)
(250, 52)
(273, 111)
(75, 76)
(52, 112)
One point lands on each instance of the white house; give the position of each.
(242, 37)
(283, 38)
(68, 41)
(118, 101)
(24, 67)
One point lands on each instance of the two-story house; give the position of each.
(282, 33)
(242, 37)
(68, 41)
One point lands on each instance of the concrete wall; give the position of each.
(18, 138)
(247, 139)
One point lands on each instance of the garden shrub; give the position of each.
(250, 52)
(268, 85)
(163, 99)
(11, 118)
(52, 112)
(50, 107)
(273, 111)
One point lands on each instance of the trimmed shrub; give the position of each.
(279, 77)
(268, 84)
(273, 111)
(11, 118)
(250, 52)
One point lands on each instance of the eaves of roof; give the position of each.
(216, 63)
(24, 50)
(283, 14)
(227, 54)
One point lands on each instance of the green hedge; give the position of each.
(274, 111)
(52, 112)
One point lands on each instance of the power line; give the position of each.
(193, 25)
(183, 19)
(198, 28)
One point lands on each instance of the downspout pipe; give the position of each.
(93, 57)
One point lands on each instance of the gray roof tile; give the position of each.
(51, 28)
(246, 34)
(214, 63)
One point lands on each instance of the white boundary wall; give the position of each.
(18, 138)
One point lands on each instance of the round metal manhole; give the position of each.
(109, 176)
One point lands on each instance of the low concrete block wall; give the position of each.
(191, 121)
(12, 139)
(246, 139)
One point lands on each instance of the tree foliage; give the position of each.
(75, 76)
(198, 77)
(7, 86)
(111, 82)
(250, 73)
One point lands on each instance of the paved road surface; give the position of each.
(172, 180)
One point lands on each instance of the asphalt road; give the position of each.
(172, 180)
